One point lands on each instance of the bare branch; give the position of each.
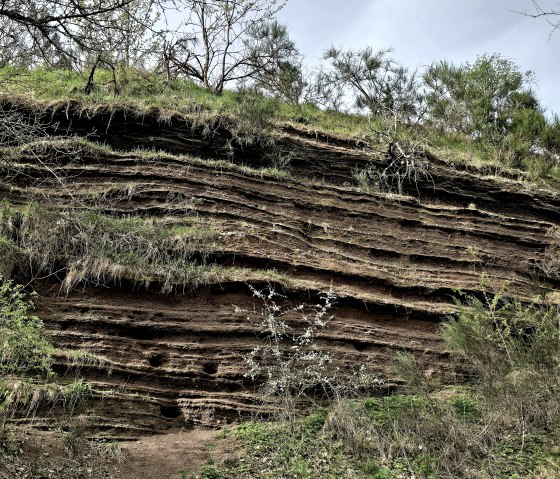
(212, 46)
(551, 15)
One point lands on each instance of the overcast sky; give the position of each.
(421, 31)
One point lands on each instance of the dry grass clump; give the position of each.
(549, 265)
(26, 397)
(87, 247)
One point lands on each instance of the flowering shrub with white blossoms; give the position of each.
(288, 364)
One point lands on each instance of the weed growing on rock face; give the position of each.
(279, 160)
(400, 172)
(24, 347)
(288, 364)
(367, 178)
(549, 265)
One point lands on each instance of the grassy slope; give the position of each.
(380, 441)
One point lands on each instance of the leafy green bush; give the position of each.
(500, 335)
(513, 349)
(482, 99)
(26, 375)
(24, 347)
(491, 101)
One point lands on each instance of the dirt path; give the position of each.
(164, 456)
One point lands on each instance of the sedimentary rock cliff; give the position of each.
(394, 261)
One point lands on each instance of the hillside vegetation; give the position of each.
(252, 119)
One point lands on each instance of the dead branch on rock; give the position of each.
(407, 162)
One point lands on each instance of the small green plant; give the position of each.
(183, 474)
(375, 471)
(540, 167)
(279, 160)
(368, 178)
(407, 369)
(466, 407)
(211, 472)
(75, 395)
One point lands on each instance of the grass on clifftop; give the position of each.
(144, 91)
(250, 115)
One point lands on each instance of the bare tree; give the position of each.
(212, 46)
(137, 37)
(128, 41)
(17, 129)
(14, 45)
(59, 24)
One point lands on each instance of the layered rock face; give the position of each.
(394, 261)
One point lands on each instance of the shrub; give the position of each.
(27, 381)
(290, 368)
(503, 423)
(500, 335)
(24, 347)
(252, 119)
(498, 426)
(513, 349)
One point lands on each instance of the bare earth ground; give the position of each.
(172, 455)
(163, 456)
